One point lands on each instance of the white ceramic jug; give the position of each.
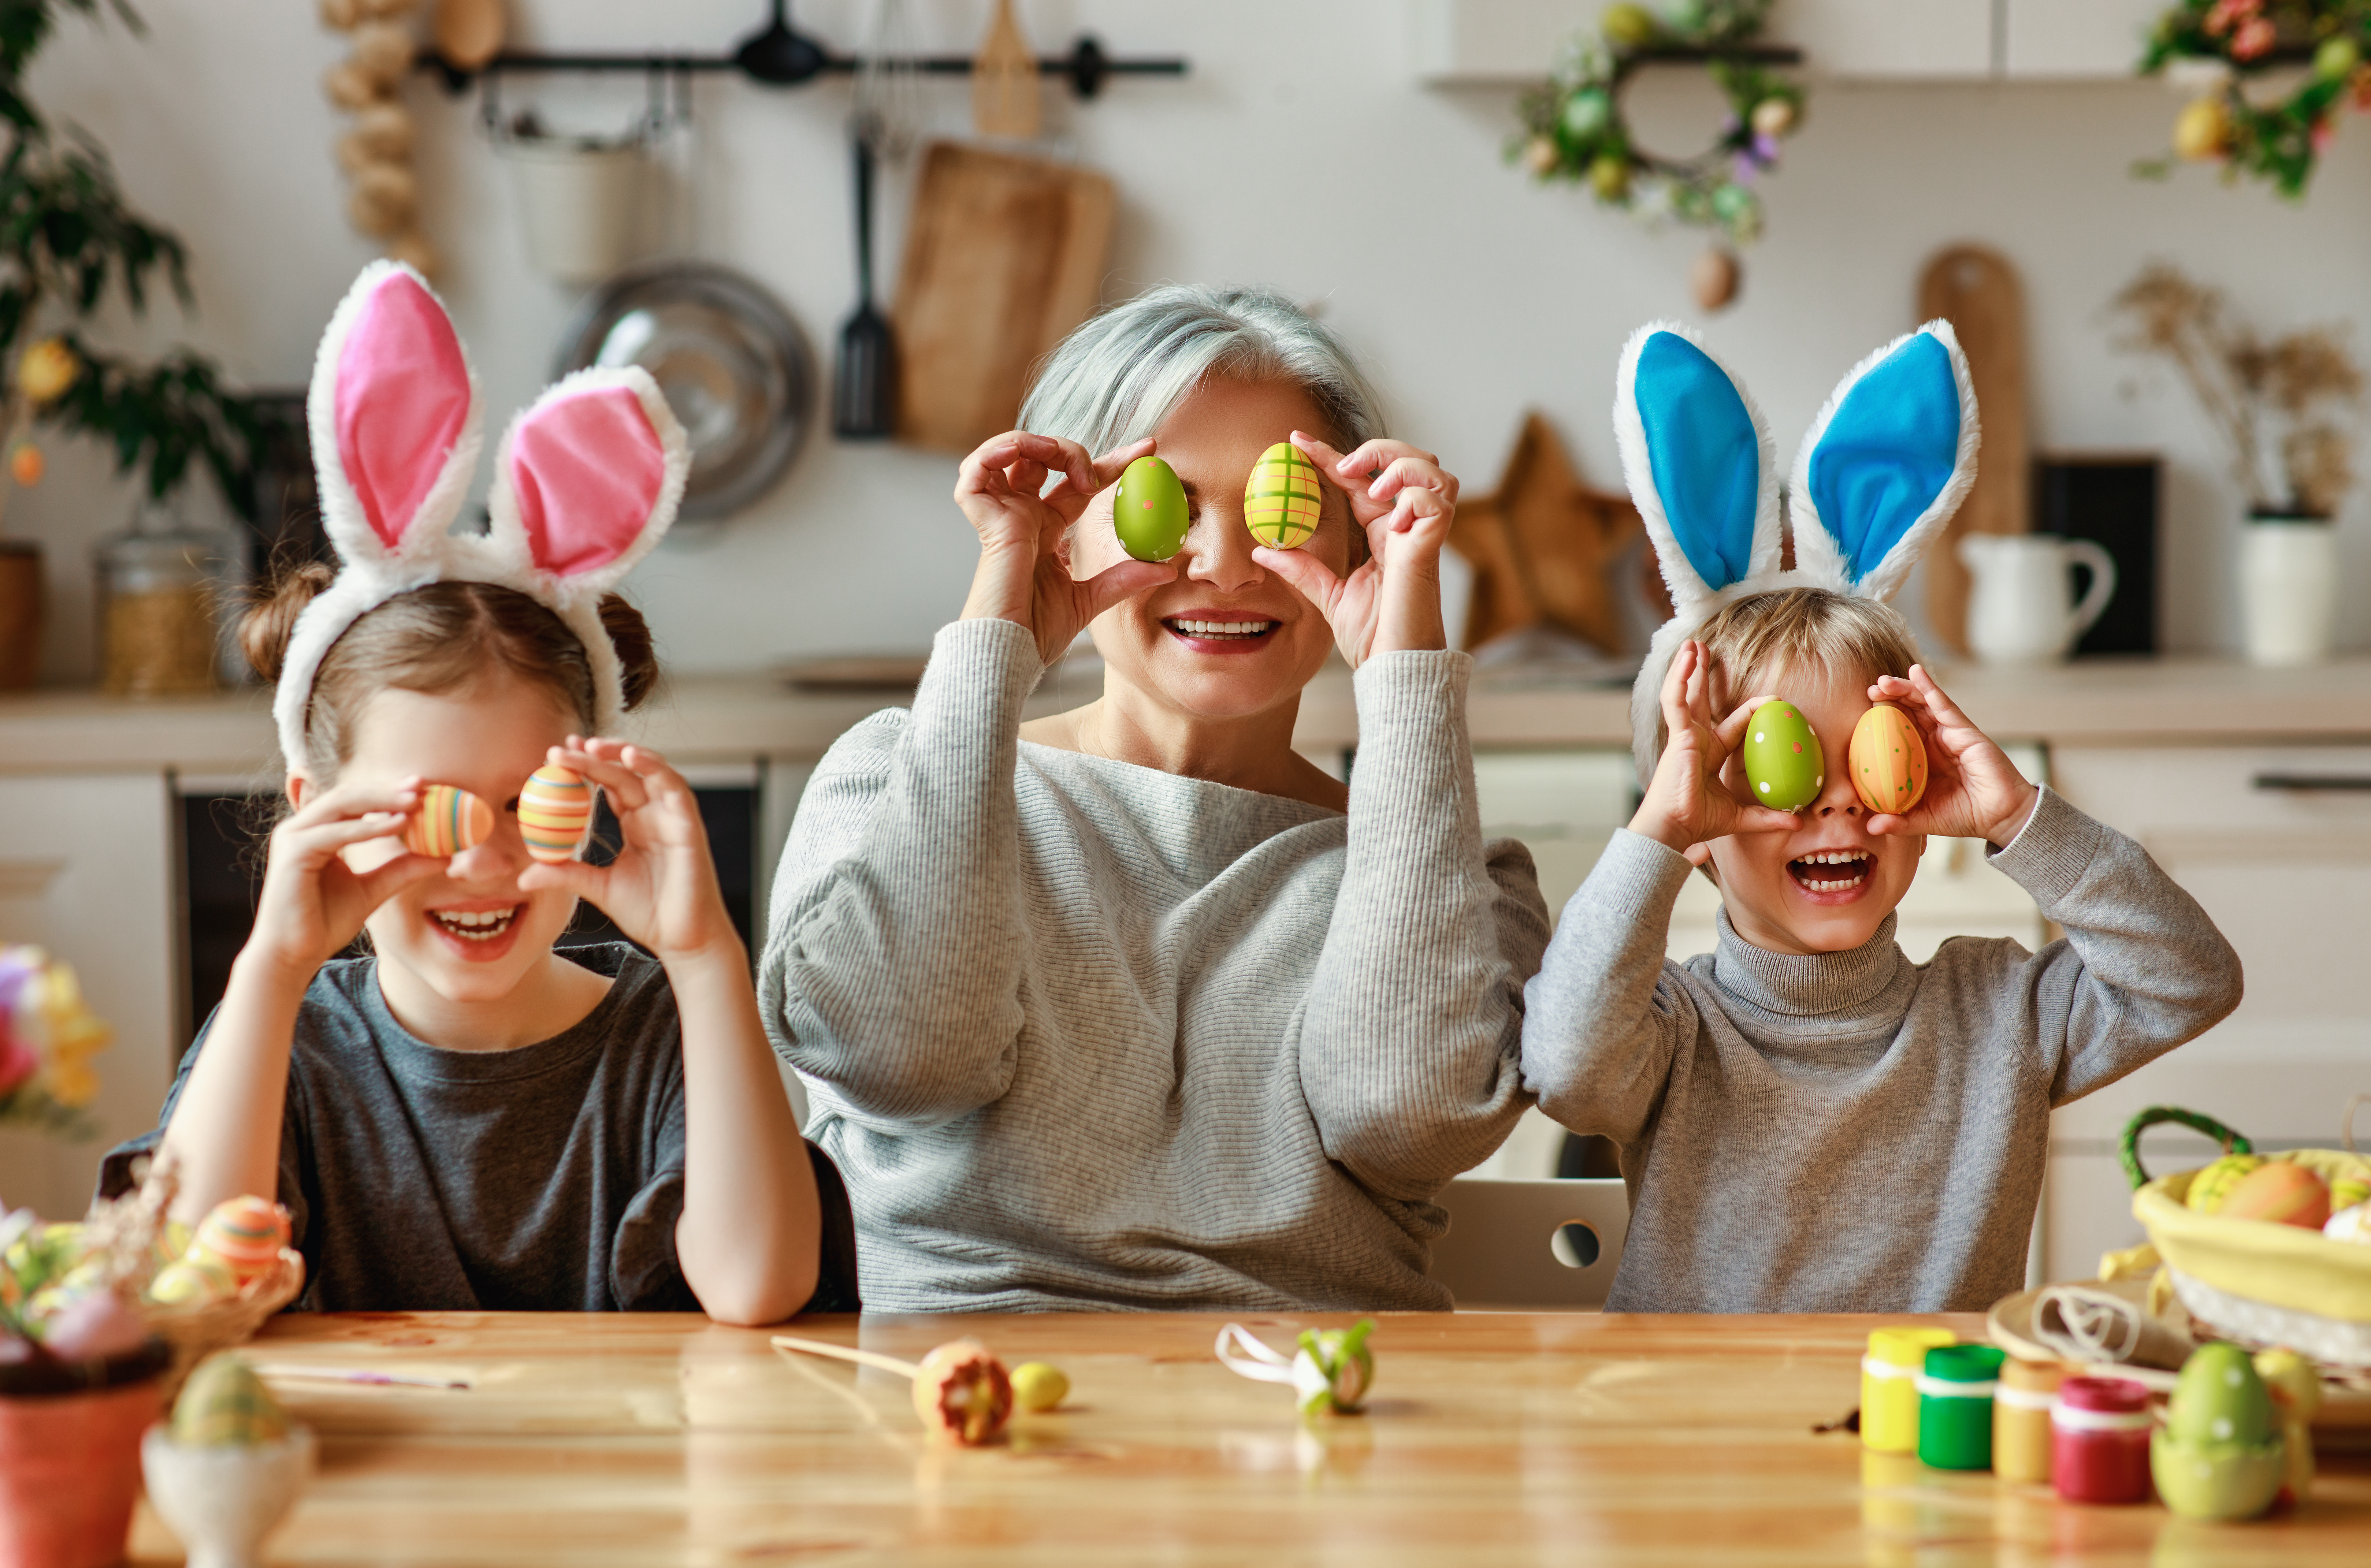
(2022, 609)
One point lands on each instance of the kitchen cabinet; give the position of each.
(87, 872)
(2100, 40)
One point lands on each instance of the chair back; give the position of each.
(1532, 1245)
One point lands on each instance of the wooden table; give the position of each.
(1491, 1439)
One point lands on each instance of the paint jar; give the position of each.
(1889, 1386)
(2021, 1419)
(2100, 1440)
(1955, 1406)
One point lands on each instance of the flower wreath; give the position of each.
(2235, 40)
(1574, 128)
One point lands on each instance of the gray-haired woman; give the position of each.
(1133, 1006)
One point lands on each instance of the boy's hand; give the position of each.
(1972, 789)
(1687, 803)
(661, 889)
(313, 904)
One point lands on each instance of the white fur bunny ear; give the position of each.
(1700, 464)
(393, 413)
(587, 480)
(1886, 464)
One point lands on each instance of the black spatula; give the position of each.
(865, 392)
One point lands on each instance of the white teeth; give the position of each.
(475, 924)
(1222, 629)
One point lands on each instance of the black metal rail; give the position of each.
(1086, 67)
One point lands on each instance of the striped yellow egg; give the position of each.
(198, 1281)
(1283, 497)
(1888, 760)
(553, 809)
(244, 1234)
(446, 822)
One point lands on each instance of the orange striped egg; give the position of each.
(553, 809)
(245, 1235)
(446, 822)
(1888, 760)
(1282, 498)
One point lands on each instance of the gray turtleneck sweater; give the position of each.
(1852, 1132)
(1083, 1034)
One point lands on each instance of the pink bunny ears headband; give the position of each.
(1881, 470)
(587, 480)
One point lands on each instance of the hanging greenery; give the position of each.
(1574, 128)
(2231, 44)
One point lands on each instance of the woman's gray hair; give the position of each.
(1117, 377)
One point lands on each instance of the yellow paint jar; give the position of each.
(1889, 1386)
(2021, 1419)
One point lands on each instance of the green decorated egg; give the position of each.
(1148, 513)
(1783, 761)
(224, 1404)
(2220, 1398)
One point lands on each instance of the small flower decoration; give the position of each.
(2228, 44)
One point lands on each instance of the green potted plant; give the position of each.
(71, 243)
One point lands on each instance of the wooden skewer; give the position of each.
(844, 1352)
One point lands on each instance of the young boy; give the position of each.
(1808, 1121)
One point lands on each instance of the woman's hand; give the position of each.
(313, 904)
(1024, 566)
(1687, 803)
(1404, 499)
(661, 889)
(1972, 789)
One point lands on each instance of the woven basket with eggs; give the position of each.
(2239, 1250)
(239, 1270)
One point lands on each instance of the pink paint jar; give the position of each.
(2100, 1441)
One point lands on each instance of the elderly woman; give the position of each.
(1134, 1006)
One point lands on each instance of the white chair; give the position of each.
(1531, 1246)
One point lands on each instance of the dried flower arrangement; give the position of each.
(2287, 397)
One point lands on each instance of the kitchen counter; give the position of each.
(715, 718)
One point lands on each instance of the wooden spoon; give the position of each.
(1004, 81)
(469, 32)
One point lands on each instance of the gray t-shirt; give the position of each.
(545, 1179)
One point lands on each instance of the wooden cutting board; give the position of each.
(1977, 291)
(1004, 255)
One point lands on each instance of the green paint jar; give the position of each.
(1955, 1406)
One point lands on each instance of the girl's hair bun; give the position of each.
(272, 612)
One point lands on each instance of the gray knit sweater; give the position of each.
(1852, 1132)
(1083, 1034)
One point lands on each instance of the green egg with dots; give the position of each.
(1148, 513)
(1784, 764)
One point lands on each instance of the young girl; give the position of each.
(468, 1118)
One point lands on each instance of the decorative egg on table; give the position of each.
(2221, 1454)
(1283, 498)
(225, 1402)
(1039, 1386)
(555, 808)
(1888, 760)
(1783, 761)
(448, 821)
(227, 1466)
(244, 1234)
(1149, 512)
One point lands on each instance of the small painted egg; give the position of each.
(1781, 757)
(553, 809)
(244, 1234)
(1039, 1386)
(1148, 513)
(224, 1405)
(446, 822)
(1282, 498)
(198, 1281)
(2349, 1224)
(1888, 760)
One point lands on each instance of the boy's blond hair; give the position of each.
(1789, 629)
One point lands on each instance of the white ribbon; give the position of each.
(1301, 1371)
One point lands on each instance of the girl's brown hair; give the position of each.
(438, 640)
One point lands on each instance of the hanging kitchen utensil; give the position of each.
(1977, 291)
(889, 86)
(864, 385)
(776, 53)
(468, 33)
(1004, 81)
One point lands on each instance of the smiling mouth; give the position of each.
(1219, 630)
(1831, 871)
(475, 924)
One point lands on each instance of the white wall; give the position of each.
(1300, 153)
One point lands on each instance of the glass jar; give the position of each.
(159, 587)
(2100, 1440)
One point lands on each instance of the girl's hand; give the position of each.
(661, 889)
(1972, 789)
(1405, 500)
(1024, 566)
(313, 904)
(1687, 803)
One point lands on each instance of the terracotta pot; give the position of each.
(20, 614)
(70, 1473)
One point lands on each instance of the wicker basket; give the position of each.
(2254, 1283)
(196, 1332)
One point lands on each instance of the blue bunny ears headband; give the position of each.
(1879, 473)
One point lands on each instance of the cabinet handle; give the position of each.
(2350, 783)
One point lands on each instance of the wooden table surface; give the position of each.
(1490, 1440)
